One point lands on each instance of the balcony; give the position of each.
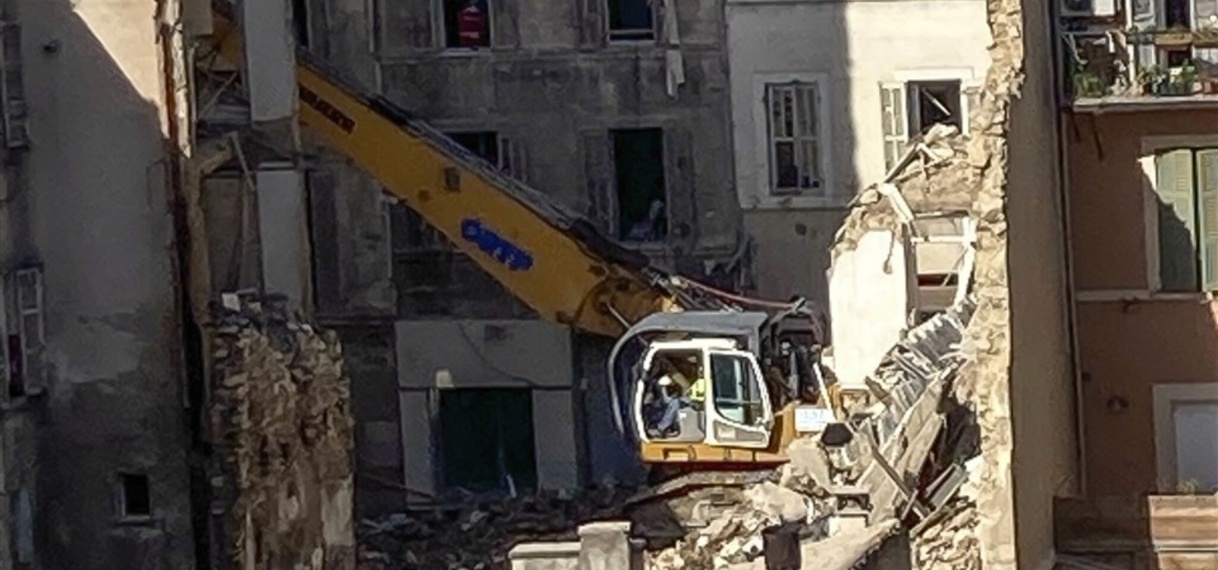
(1147, 68)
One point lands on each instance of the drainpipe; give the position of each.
(1063, 204)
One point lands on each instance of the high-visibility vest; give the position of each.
(471, 22)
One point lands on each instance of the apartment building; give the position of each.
(1142, 156)
(824, 98)
(93, 473)
(616, 108)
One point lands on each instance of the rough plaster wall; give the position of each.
(283, 437)
(1042, 378)
(368, 352)
(98, 218)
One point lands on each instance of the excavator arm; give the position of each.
(548, 257)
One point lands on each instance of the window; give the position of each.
(1186, 188)
(467, 24)
(484, 144)
(794, 145)
(736, 391)
(135, 496)
(1186, 437)
(911, 109)
(642, 201)
(487, 439)
(631, 20)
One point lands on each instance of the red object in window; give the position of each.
(471, 22)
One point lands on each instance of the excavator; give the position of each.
(748, 374)
(761, 364)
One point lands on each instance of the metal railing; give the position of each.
(1140, 63)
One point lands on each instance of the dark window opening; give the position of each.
(467, 24)
(1179, 13)
(484, 144)
(487, 439)
(136, 495)
(16, 367)
(642, 202)
(932, 103)
(631, 20)
(300, 22)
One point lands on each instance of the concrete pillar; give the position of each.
(270, 59)
(282, 232)
(607, 546)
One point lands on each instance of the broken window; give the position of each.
(631, 20)
(487, 439)
(642, 201)
(24, 346)
(1186, 189)
(135, 495)
(467, 24)
(795, 152)
(911, 109)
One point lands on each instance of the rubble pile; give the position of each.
(479, 536)
(283, 438)
(736, 536)
(948, 540)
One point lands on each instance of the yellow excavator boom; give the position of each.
(547, 257)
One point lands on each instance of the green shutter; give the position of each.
(1207, 200)
(1177, 225)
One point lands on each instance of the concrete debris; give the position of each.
(283, 438)
(948, 541)
(479, 536)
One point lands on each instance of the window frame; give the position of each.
(1152, 148)
(900, 85)
(440, 26)
(632, 35)
(764, 195)
(809, 92)
(37, 311)
(1166, 395)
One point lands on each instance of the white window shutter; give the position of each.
(1207, 217)
(895, 122)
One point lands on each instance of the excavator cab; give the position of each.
(701, 390)
(704, 387)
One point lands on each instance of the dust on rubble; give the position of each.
(479, 536)
(283, 438)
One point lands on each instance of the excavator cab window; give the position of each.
(737, 391)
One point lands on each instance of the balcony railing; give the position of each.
(1140, 64)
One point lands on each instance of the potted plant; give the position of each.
(1088, 85)
(1152, 79)
(1186, 80)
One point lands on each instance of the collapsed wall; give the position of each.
(282, 431)
(956, 172)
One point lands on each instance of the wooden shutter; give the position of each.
(591, 23)
(679, 175)
(514, 159)
(1177, 221)
(598, 173)
(1207, 201)
(896, 125)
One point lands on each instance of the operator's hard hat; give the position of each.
(665, 380)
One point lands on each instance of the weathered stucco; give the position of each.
(94, 210)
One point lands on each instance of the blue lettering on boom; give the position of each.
(495, 245)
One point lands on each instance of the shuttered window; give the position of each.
(1187, 200)
(795, 151)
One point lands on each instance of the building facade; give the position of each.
(1143, 179)
(94, 378)
(824, 98)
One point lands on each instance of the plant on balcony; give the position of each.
(1153, 79)
(1089, 85)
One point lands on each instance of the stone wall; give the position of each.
(282, 429)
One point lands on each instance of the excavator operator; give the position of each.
(675, 392)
